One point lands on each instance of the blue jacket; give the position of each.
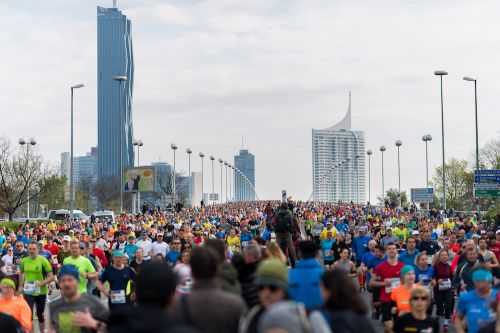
(303, 283)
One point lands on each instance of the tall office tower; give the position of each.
(245, 162)
(114, 107)
(85, 167)
(338, 162)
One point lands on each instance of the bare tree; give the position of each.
(107, 191)
(490, 154)
(21, 174)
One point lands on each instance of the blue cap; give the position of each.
(69, 270)
(482, 275)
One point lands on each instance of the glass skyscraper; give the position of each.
(245, 162)
(114, 98)
(338, 162)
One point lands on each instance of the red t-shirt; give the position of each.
(386, 271)
(53, 249)
(496, 249)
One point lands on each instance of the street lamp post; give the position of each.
(358, 156)
(466, 78)
(202, 179)
(121, 79)
(225, 165)
(212, 159)
(427, 138)
(189, 152)
(382, 149)
(221, 192)
(138, 144)
(71, 182)
(399, 143)
(30, 142)
(441, 74)
(369, 152)
(230, 182)
(174, 188)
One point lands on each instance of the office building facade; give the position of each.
(114, 97)
(339, 162)
(245, 162)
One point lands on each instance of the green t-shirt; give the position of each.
(35, 270)
(84, 266)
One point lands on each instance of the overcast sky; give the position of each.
(208, 73)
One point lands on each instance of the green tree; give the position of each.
(52, 191)
(459, 184)
(392, 198)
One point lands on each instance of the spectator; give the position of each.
(252, 256)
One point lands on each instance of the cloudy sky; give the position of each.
(211, 72)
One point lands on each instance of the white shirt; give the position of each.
(160, 248)
(7, 260)
(146, 245)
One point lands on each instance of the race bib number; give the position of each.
(394, 283)
(30, 288)
(117, 297)
(244, 243)
(444, 284)
(328, 253)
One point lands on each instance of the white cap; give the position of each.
(415, 233)
(67, 238)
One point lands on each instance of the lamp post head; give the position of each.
(225, 163)
(399, 143)
(382, 148)
(369, 152)
(221, 161)
(202, 155)
(76, 86)
(189, 151)
(135, 142)
(440, 73)
(120, 78)
(212, 158)
(140, 143)
(427, 137)
(22, 142)
(173, 146)
(468, 78)
(32, 141)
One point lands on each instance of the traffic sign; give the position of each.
(487, 183)
(422, 195)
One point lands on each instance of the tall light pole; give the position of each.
(221, 162)
(369, 152)
(189, 152)
(357, 178)
(441, 74)
(212, 159)
(121, 79)
(138, 144)
(71, 182)
(470, 79)
(427, 138)
(30, 142)
(225, 165)
(382, 149)
(174, 147)
(202, 178)
(399, 143)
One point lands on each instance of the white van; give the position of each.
(105, 215)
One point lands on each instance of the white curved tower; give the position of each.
(338, 162)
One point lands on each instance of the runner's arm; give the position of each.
(459, 323)
(376, 281)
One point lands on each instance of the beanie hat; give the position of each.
(118, 253)
(6, 282)
(272, 272)
(482, 275)
(69, 270)
(406, 269)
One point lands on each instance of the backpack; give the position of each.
(283, 221)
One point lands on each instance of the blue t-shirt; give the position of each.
(326, 248)
(172, 256)
(424, 276)
(374, 262)
(130, 250)
(408, 259)
(245, 238)
(360, 246)
(476, 309)
(367, 257)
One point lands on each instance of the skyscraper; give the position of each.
(114, 106)
(245, 162)
(338, 162)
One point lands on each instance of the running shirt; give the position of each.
(84, 265)
(408, 324)
(386, 271)
(401, 296)
(119, 283)
(326, 249)
(476, 309)
(34, 270)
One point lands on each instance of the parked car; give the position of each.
(105, 215)
(63, 214)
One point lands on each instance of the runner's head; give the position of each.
(7, 288)
(74, 248)
(408, 275)
(272, 279)
(411, 243)
(391, 251)
(68, 278)
(307, 249)
(156, 284)
(482, 279)
(422, 260)
(443, 256)
(419, 299)
(340, 293)
(33, 249)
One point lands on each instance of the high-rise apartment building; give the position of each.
(245, 162)
(114, 97)
(338, 162)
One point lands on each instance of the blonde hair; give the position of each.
(274, 251)
(420, 291)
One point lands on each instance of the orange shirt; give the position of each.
(401, 296)
(19, 309)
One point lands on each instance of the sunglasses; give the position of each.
(421, 298)
(272, 288)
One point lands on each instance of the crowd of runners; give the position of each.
(269, 267)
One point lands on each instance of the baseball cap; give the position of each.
(6, 282)
(272, 272)
(66, 239)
